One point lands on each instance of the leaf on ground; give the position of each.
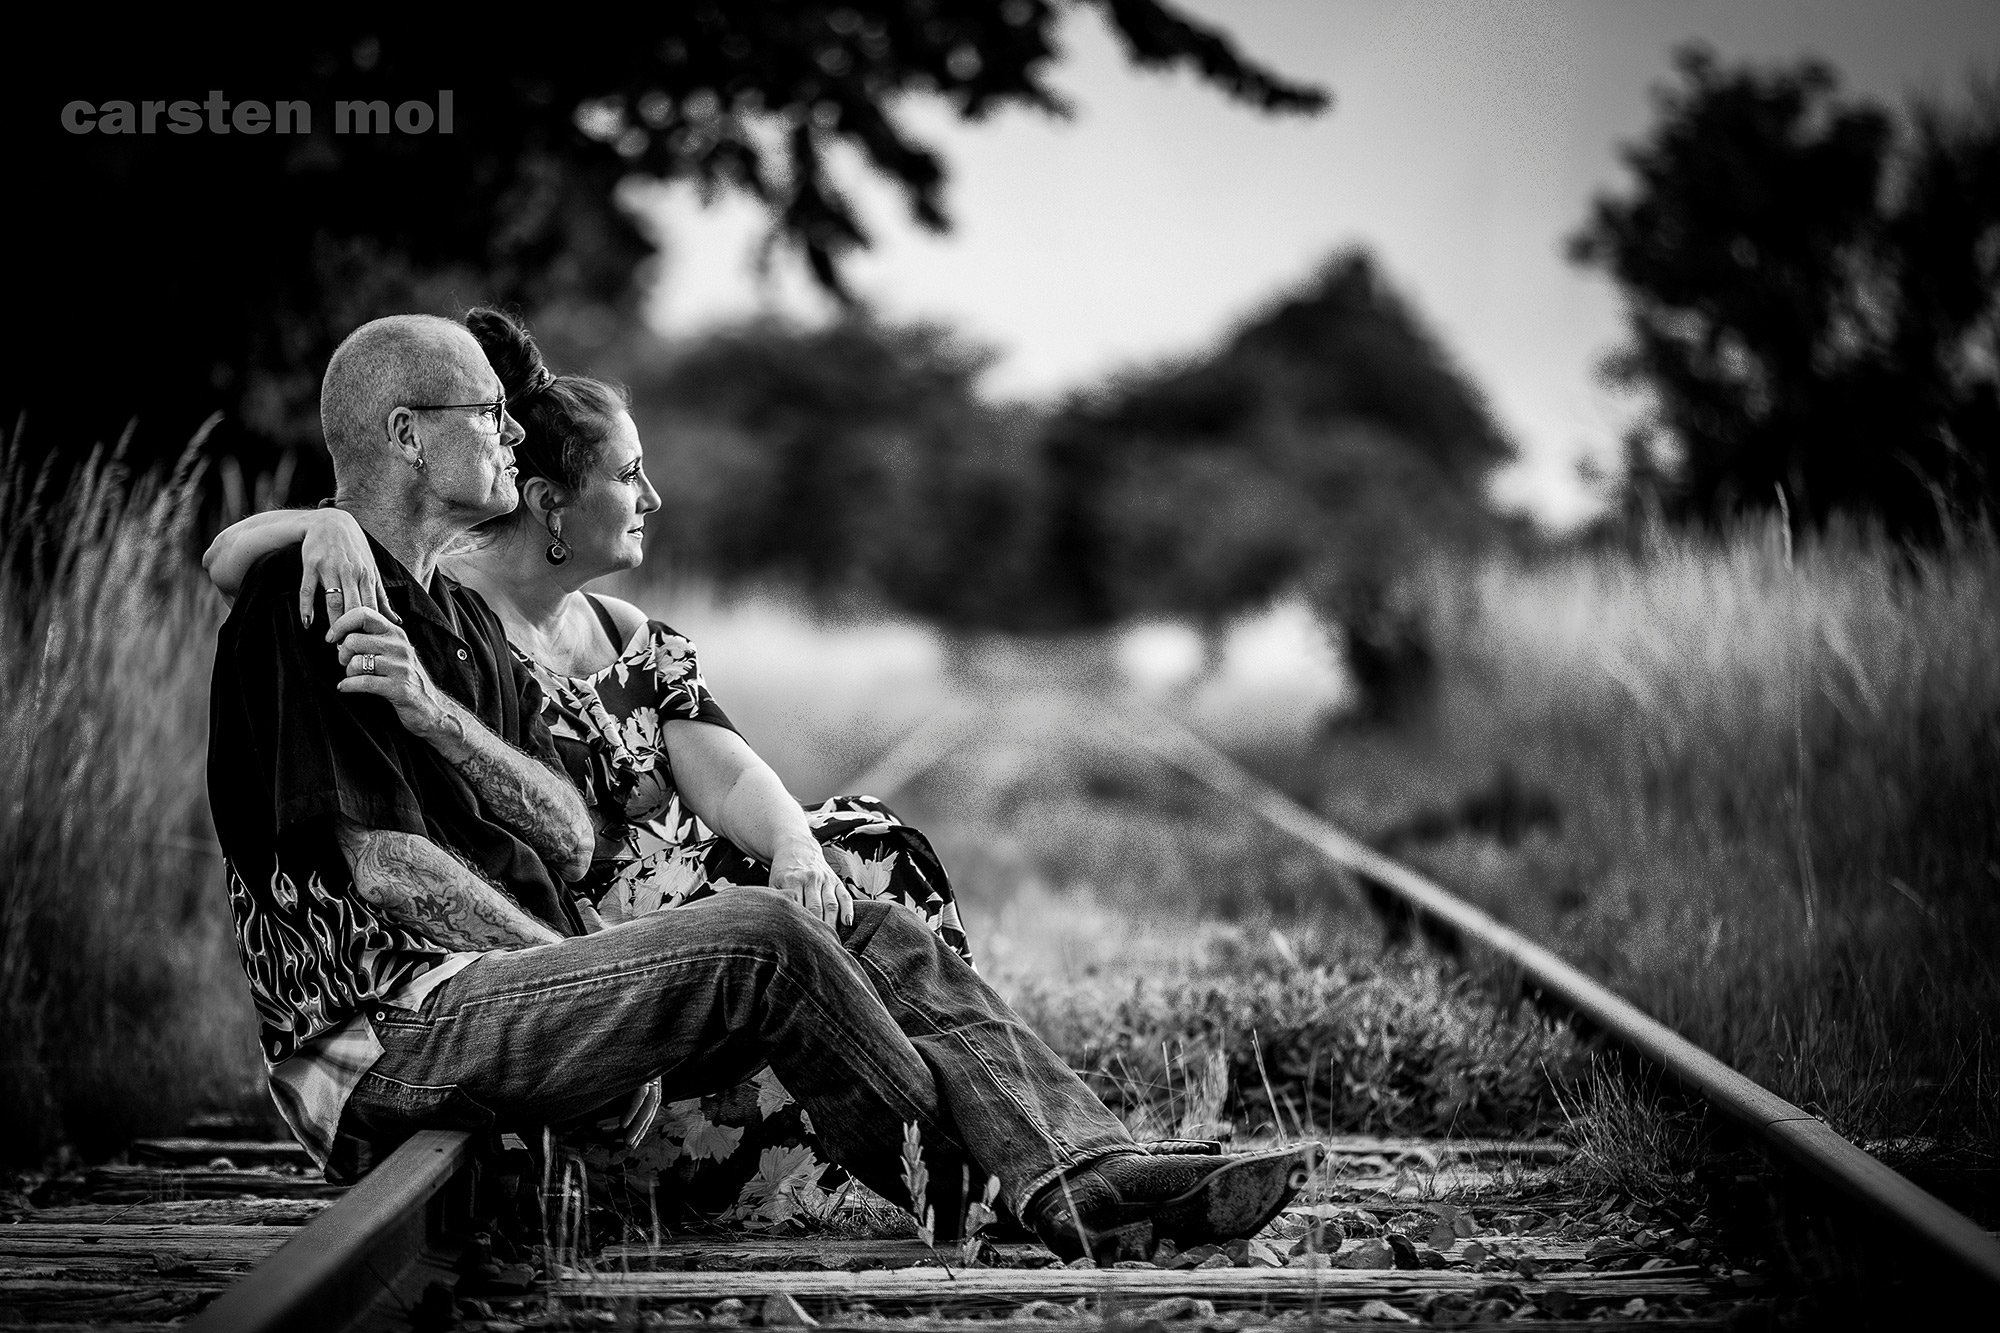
(1442, 1236)
(771, 1095)
(1473, 1253)
(711, 1141)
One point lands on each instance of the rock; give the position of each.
(1195, 1257)
(1310, 1261)
(1403, 1251)
(781, 1309)
(1214, 1261)
(1366, 1254)
(1174, 1307)
(1260, 1255)
(1165, 1254)
(1322, 1237)
(1384, 1313)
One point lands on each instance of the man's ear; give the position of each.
(401, 428)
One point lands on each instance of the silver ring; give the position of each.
(335, 592)
(367, 661)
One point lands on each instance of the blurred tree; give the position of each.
(1814, 299)
(857, 459)
(1321, 448)
(1326, 443)
(165, 275)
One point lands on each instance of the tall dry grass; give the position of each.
(121, 1003)
(1778, 770)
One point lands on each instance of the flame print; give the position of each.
(314, 956)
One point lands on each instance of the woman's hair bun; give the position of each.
(564, 419)
(511, 349)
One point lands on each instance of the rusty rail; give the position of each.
(1801, 1139)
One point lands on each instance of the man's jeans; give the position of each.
(881, 1027)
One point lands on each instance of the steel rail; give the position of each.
(1803, 1139)
(365, 1251)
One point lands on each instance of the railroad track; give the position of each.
(230, 1235)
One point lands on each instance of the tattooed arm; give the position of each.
(422, 887)
(537, 802)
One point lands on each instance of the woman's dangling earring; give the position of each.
(558, 548)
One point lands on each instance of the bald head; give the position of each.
(388, 363)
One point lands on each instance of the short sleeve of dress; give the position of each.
(683, 696)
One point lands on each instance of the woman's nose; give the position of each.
(649, 499)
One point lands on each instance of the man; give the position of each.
(395, 825)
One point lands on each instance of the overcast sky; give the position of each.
(1465, 144)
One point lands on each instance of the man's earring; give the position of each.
(418, 462)
(558, 548)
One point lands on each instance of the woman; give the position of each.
(683, 806)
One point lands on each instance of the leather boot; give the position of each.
(1123, 1206)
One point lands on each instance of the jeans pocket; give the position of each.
(382, 1102)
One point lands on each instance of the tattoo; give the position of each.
(537, 803)
(422, 886)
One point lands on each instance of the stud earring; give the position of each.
(558, 548)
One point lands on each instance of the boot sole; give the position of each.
(1234, 1202)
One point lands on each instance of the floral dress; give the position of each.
(747, 1154)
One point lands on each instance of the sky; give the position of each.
(1465, 145)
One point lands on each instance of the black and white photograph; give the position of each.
(927, 666)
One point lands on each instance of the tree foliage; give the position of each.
(168, 276)
(1322, 445)
(1814, 298)
(1319, 447)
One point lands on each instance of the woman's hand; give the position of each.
(380, 660)
(800, 872)
(641, 1111)
(336, 557)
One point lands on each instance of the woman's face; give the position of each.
(605, 523)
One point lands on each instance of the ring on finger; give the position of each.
(366, 662)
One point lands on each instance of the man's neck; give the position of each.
(517, 581)
(416, 540)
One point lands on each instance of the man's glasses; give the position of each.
(494, 412)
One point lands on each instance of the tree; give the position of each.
(166, 275)
(856, 459)
(1323, 445)
(1814, 299)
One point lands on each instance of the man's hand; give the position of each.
(534, 800)
(379, 660)
(800, 872)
